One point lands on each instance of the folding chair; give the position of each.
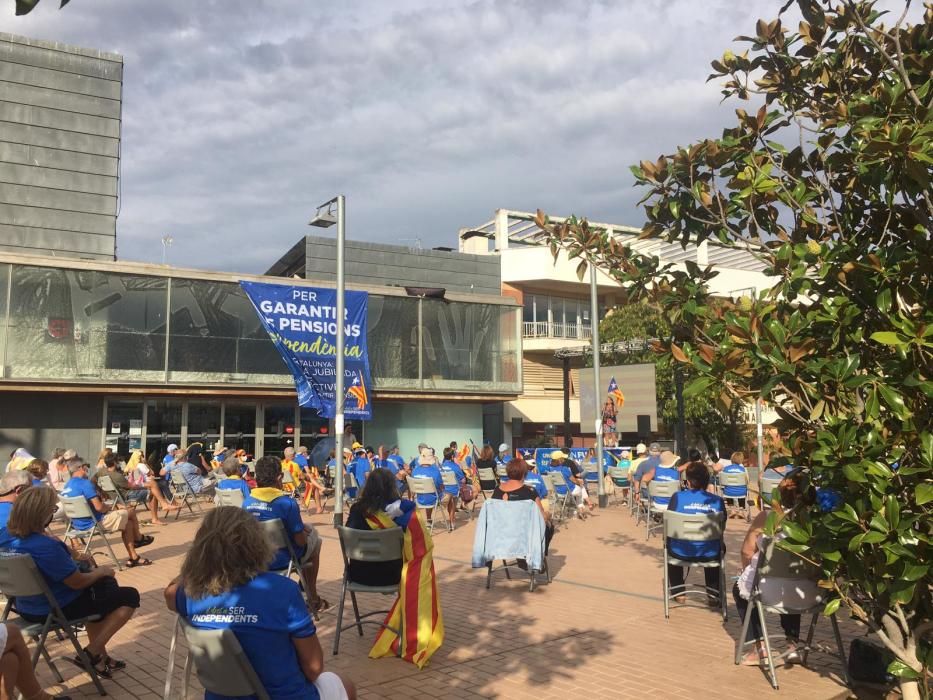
(19, 577)
(590, 477)
(657, 489)
(181, 490)
(620, 480)
(367, 546)
(518, 515)
(501, 472)
(228, 497)
(735, 479)
(424, 486)
(112, 492)
(778, 563)
(694, 527)
(486, 474)
(78, 507)
(219, 661)
(274, 531)
(450, 479)
(566, 499)
(766, 488)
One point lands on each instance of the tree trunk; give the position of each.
(910, 690)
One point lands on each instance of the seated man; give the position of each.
(267, 502)
(642, 467)
(665, 471)
(736, 466)
(233, 479)
(148, 493)
(122, 521)
(12, 484)
(427, 469)
(452, 491)
(196, 481)
(695, 499)
(290, 467)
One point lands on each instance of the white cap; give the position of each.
(640, 448)
(503, 447)
(172, 447)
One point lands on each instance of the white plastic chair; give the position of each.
(78, 507)
(656, 490)
(424, 486)
(698, 527)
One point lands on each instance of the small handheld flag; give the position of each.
(358, 391)
(615, 393)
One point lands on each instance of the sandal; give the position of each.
(99, 668)
(138, 561)
(319, 605)
(144, 541)
(112, 664)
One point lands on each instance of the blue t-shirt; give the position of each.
(645, 466)
(665, 474)
(168, 459)
(693, 502)
(5, 508)
(503, 459)
(537, 483)
(734, 491)
(396, 462)
(432, 472)
(451, 466)
(285, 508)
(568, 477)
(233, 485)
(264, 614)
(79, 486)
(54, 562)
(360, 468)
(301, 461)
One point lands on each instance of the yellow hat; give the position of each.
(558, 454)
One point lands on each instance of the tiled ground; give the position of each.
(598, 630)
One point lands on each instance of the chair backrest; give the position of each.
(221, 663)
(663, 489)
(178, 479)
(548, 484)
(557, 478)
(767, 487)
(694, 527)
(251, 467)
(500, 470)
(371, 545)
(733, 479)
(106, 484)
(350, 482)
(618, 474)
(776, 562)
(486, 474)
(229, 497)
(449, 478)
(332, 471)
(420, 485)
(274, 531)
(19, 576)
(76, 507)
(287, 477)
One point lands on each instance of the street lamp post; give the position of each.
(326, 217)
(597, 404)
(167, 241)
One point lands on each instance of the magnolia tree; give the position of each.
(825, 178)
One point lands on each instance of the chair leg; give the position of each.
(48, 660)
(722, 590)
(85, 661)
(666, 591)
(187, 684)
(109, 548)
(764, 633)
(841, 648)
(488, 574)
(508, 574)
(746, 620)
(810, 630)
(340, 606)
(356, 612)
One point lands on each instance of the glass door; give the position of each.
(124, 426)
(240, 427)
(204, 426)
(163, 428)
(278, 428)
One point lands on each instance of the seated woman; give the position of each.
(78, 594)
(135, 483)
(486, 460)
(232, 477)
(380, 508)
(16, 671)
(515, 489)
(427, 469)
(794, 593)
(695, 499)
(39, 470)
(224, 584)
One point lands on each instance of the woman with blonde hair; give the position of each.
(78, 594)
(135, 483)
(224, 584)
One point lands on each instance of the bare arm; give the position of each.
(750, 544)
(310, 656)
(79, 581)
(99, 505)
(169, 594)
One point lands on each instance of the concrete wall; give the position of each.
(42, 421)
(380, 264)
(60, 110)
(433, 422)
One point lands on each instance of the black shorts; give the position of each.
(101, 599)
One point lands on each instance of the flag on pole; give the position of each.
(463, 453)
(358, 391)
(309, 493)
(615, 393)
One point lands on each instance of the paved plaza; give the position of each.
(597, 630)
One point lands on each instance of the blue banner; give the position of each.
(302, 324)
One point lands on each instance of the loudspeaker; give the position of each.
(517, 428)
(644, 425)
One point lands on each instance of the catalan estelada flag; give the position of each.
(358, 391)
(615, 393)
(463, 453)
(306, 499)
(417, 610)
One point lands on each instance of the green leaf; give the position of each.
(883, 301)
(832, 606)
(923, 493)
(901, 670)
(915, 572)
(854, 473)
(887, 338)
(926, 448)
(697, 386)
(796, 532)
(894, 400)
(873, 537)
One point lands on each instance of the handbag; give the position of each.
(466, 493)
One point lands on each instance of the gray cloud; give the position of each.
(240, 116)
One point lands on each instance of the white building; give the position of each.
(557, 308)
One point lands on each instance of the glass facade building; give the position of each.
(178, 355)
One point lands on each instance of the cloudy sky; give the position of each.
(240, 116)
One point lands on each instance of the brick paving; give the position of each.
(597, 630)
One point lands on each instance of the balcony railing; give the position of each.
(543, 329)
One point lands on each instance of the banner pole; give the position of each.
(603, 497)
(339, 388)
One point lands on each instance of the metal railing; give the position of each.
(543, 329)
